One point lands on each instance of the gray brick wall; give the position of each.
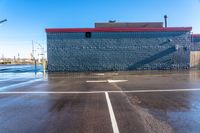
(113, 51)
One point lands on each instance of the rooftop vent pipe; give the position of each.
(165, 20)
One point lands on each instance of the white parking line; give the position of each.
(99, 74)
(93, 92)
(19, 84)
(112, 115)
(96, 81)
(51, 92)
(116, 81)
(105, 81)
(164, 90)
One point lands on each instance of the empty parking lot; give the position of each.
(123, 102)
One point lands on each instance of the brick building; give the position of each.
(120, 46)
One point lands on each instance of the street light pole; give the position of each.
(2, 21)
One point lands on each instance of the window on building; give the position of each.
(88, 34)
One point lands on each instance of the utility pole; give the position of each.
(32, 50)
(33, 56)
(18, 58)
(42, 54)
(14, 60)
(43, 57)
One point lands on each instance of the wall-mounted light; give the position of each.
(88, 34)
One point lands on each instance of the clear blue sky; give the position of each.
(27, 19)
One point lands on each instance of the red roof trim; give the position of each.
(118, 29)
(196, 35)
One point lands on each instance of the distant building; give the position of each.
(121, 46)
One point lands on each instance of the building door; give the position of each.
(195, 59)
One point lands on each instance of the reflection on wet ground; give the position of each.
(21, 68)
(149, 112)
(181, 110)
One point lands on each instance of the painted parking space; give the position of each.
(43, 113)
(71, 104)
(123, 111)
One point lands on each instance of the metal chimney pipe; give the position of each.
(165, 20)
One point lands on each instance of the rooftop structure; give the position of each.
(129, 25)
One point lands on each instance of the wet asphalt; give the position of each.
(77, 112)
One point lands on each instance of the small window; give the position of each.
(88, 34)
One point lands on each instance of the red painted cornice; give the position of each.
(61, 30)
